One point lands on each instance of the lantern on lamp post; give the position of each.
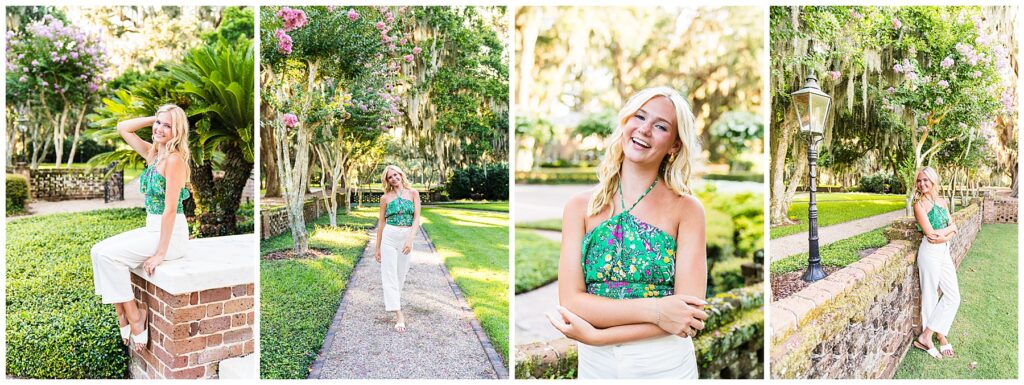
(812, 106)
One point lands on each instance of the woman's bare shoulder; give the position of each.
(577, 204)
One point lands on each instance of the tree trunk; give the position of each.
(78, 135)
(268, 167)
(217, 200)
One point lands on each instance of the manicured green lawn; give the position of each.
(298, 297)
(536, 260)
(56, 325)
(477, 205)
(984, 332)
(836, 208)
(544, 224)
(838, 254)
(474, 245)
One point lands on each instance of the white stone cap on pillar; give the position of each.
(209, 263)
(238, 368)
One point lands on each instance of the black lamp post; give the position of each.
(811, 110)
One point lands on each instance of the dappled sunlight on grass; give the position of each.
(298, 297)
(474, 246)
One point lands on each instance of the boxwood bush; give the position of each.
(17, 193)
(56, 325)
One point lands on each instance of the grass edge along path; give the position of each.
(985, 329)
(466, 240)
(836, 208)
(836, 254)
(299, 297)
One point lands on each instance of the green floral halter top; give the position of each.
(938, 216)
(153, 186)
(625, 257)
(399, 211)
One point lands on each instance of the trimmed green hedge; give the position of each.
(17, 194)
(488, 182)
(56, 325)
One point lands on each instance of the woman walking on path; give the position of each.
(166, 233)
(396, 228)
(935, 266)
(632, 272)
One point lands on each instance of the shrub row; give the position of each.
(488, 182)
(17, 194)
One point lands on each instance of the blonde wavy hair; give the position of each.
(675, 168)
(178, 144)
(933, 175)
(384, 178)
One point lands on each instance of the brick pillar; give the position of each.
(190, 333)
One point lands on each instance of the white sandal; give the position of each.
(400, 327)
(126, 331)
(931, 351)
(142, 339)
(947, 348)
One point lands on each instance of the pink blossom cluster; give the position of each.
(943, 84)
(834, 75)
(352, 14)
(947, 62)
(284, 42)
(293, 18)
(896, 23)
(290, 120)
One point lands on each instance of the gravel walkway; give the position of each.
(442, 339)
(797, 243)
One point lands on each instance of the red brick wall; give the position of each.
(189, 334)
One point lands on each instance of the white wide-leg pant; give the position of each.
(394, 265)
(114, 257)
(936, 269)
(667, 357)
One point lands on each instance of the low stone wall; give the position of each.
(274, 221)
(201, 310)
(74, 183)
(730, 346)
(1000, 209)
(858, 322)
(373, 196)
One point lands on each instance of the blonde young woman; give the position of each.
(396, 228)
(935, 265)
(632, 270)
(166, 233)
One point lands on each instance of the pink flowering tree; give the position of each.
(947, 85)
(53, 73)
(332, 68)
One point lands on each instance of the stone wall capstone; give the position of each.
(858, 322)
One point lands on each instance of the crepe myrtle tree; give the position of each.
(322, 66)
(947, 84)
(53, 73)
